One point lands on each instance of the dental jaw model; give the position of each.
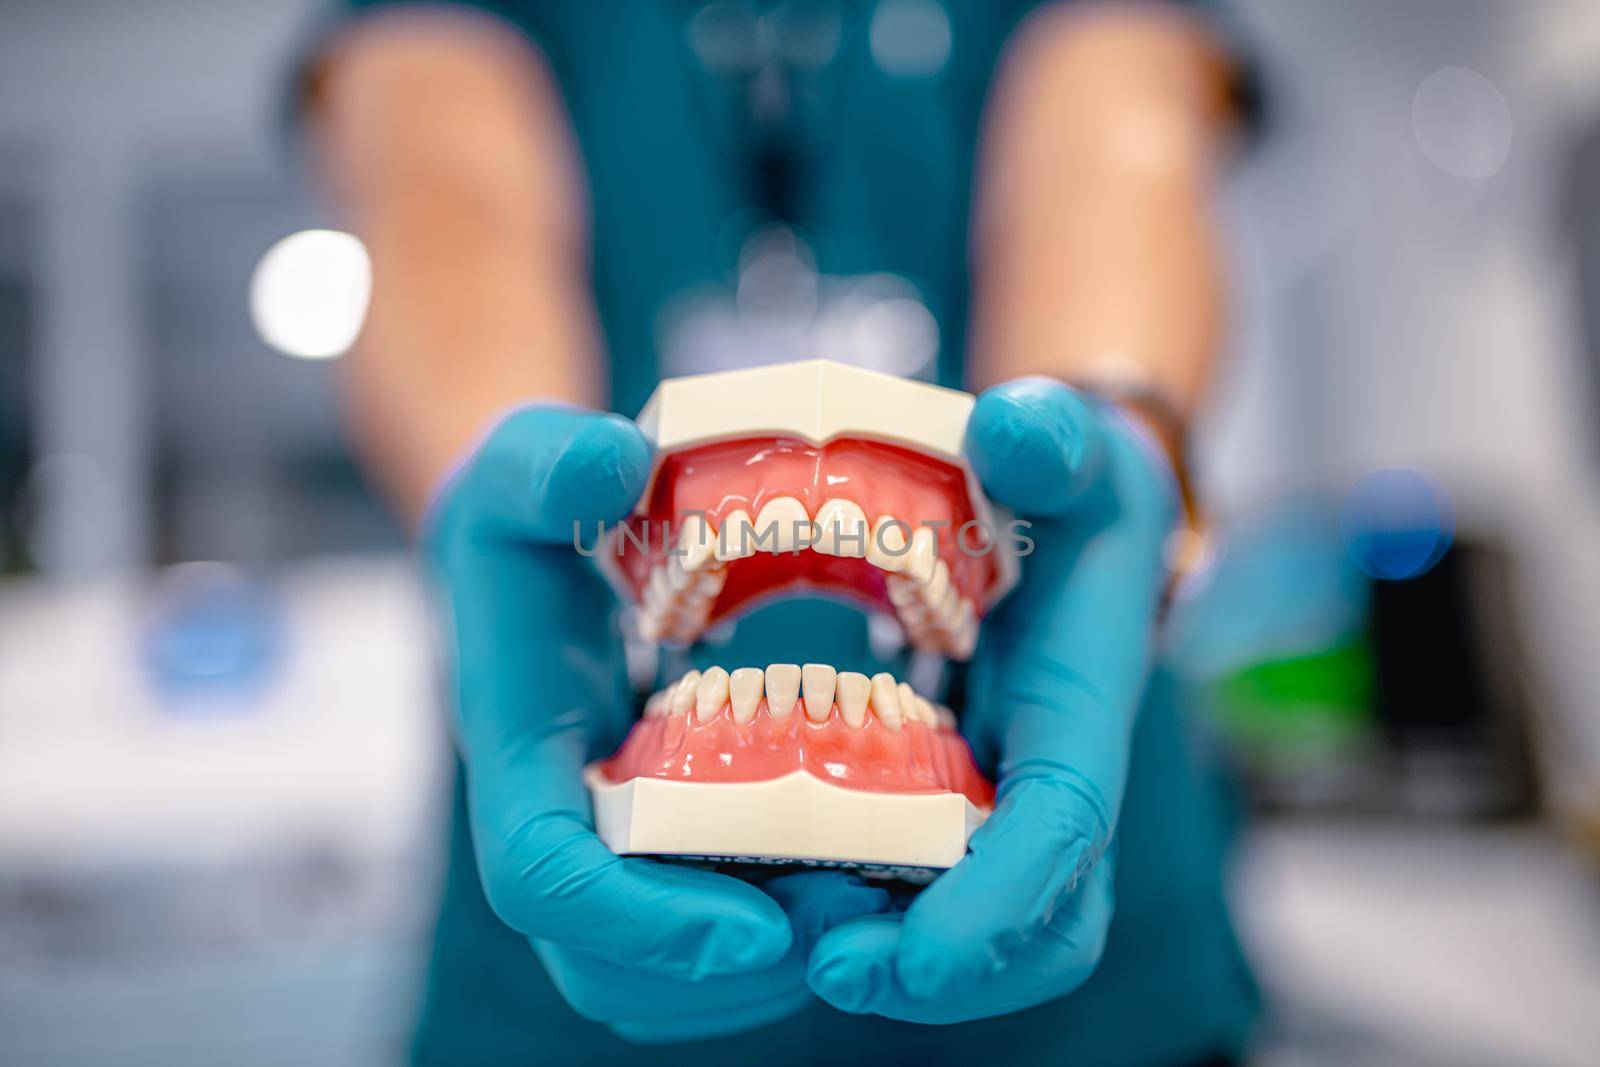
(807, 477)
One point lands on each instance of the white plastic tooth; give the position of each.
(915, 614)
(953, 609)
(683, 693)
(710, 694)
(841, 529)
(855, 692)
(944, 717)
(697, 601)
(697, 542)
(964, 639)
(656, 706)
(885, 700)
(690, 617)
(784, 526)
(924, 554)
(678, 579)
(908, 702)
(887, 547)
(940, 639)
(941, 619)
(710, 583)
(938, 586)
(783, 689)
(648, 623)
(818, 682)
(925, 712)
(736, 539)
(744, 693)
(657, 590)
(902, 592)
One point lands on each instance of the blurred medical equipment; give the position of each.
(1342, 690)
(217, 856)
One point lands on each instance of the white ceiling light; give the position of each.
(309, 293)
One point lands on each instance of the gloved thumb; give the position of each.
(546, 469)
(1036, 445)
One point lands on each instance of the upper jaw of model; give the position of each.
(811, 476)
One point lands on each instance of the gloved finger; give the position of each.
(544, 469)
(1066, 655)
(1035, 445)
(662, 1008)
(655, 1008)
(546, 874)
(1024, 863)
(854, 967)
(1058, 704)
(817, 901)
(532, 682)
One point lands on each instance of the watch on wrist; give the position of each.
(1132, 391)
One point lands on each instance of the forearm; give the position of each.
(447, 152)
(1094, 250)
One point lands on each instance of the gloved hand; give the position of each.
(1052, 696)
(656, 951)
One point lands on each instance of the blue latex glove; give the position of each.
(1052, 697)
(656, 951)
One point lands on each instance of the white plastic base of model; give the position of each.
(816, 400)
(798, 818)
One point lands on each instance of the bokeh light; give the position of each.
(1396, 523)
(211, 632)
(910, 38)
(1462, 123)
(309, 293)
(878, 322)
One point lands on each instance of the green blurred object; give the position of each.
(1301, 710)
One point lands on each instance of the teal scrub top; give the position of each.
(873, 167)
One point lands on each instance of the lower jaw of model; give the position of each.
(793, 764)
(805, 478)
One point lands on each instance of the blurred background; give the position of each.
(220, 758)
